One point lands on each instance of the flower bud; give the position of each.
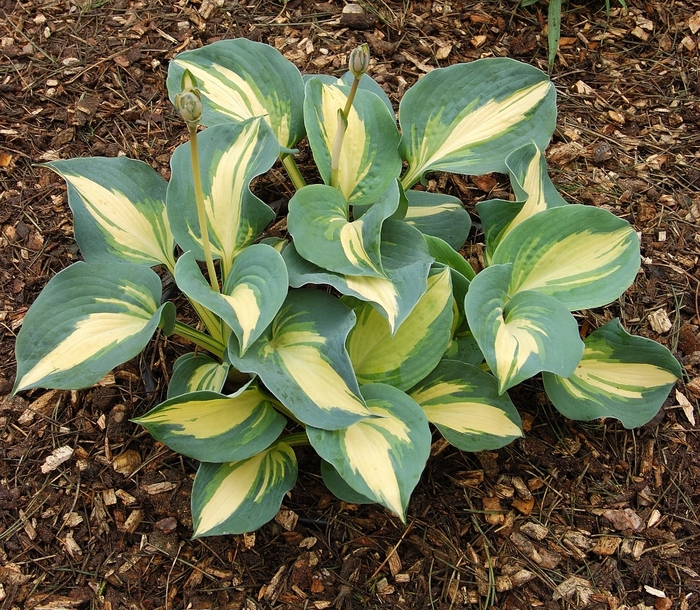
(359, 60)
(189, 105)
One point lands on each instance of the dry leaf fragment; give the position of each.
(654, 592)
(583, 88)
(478, 41)
(659, 321)
(536, 531)
(625, 519)
(443, 51)
(249, 540)
(42, 405)
(71, 545)
(471, 478)
(208, 7)
(524, 506)
(126, 463)
(287, 519)
(606, 546)
(109, 497)
(688, 43)
(159, 488)
(654, 518)
(384, 588)
(125, 497)
(663, 603)
(563, 153)
(11, 574)
(574, 585)
(57, 457)
(493, 510)
(687, 407)
(618, 117)
(638, 32)
(485, 183)
(132, 521)
(269, 591)
(72, 519)
(694, 23)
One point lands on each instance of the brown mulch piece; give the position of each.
(95, 514)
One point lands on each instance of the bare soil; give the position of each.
(574, 515)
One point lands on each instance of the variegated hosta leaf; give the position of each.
(620, 375)
(438, 215)
(443, 253)
(196, 373)
(252, 293)
(496, 215)
(214, 427)
(230, 156)
(319, 221)
(464, 348)
(239, 80)
(464, 403)
(531, 183)
(339, 488)
(581, 255)
(406, 263)
(467, 118)
(417, 345)
(369, 159)
(366, 82)
(119, 209)
(533, 190)
(241, 496)
(87, 320)
(460, 270)
(521, 335)
(382, 457)
(302, 360)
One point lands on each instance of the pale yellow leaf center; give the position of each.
(91, 335)
(119, 217)
(244, 303)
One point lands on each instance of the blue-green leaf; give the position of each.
(239, 80)
(214, 427)
(406, 263)
(380, 457)
(467, 118)
(301, 359)
(319, 221)
(195, 373)
(620, 375)
(438, 215)
(415, 348)
(230, 155)
(87, 320)
(369, 160)
(241, 496)
(523, 334)
(252, 294)
(119, 210)
(580, 255)
(464, 403)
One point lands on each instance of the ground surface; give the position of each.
(573, 515)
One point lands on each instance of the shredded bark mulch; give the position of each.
(95, 514)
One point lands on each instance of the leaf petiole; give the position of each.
(201, 214)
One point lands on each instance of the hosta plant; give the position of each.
(362, 328)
